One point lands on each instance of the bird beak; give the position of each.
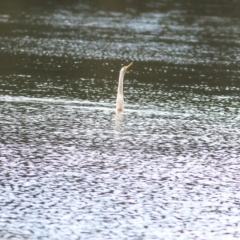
(128, 66)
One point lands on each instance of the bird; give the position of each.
(120, 100)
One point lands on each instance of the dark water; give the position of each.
(167, 168)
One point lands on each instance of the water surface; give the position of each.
(167, 168)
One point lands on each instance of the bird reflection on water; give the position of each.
(119, 121)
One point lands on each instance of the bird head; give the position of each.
(126, 68)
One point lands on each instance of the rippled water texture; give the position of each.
(167, 168)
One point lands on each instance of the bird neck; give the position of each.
(120, 83)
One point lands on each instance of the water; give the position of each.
(167, 168)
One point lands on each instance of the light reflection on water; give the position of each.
(101, 174)
(166, 168)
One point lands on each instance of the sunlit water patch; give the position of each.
(173, 36)
(101, 175)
